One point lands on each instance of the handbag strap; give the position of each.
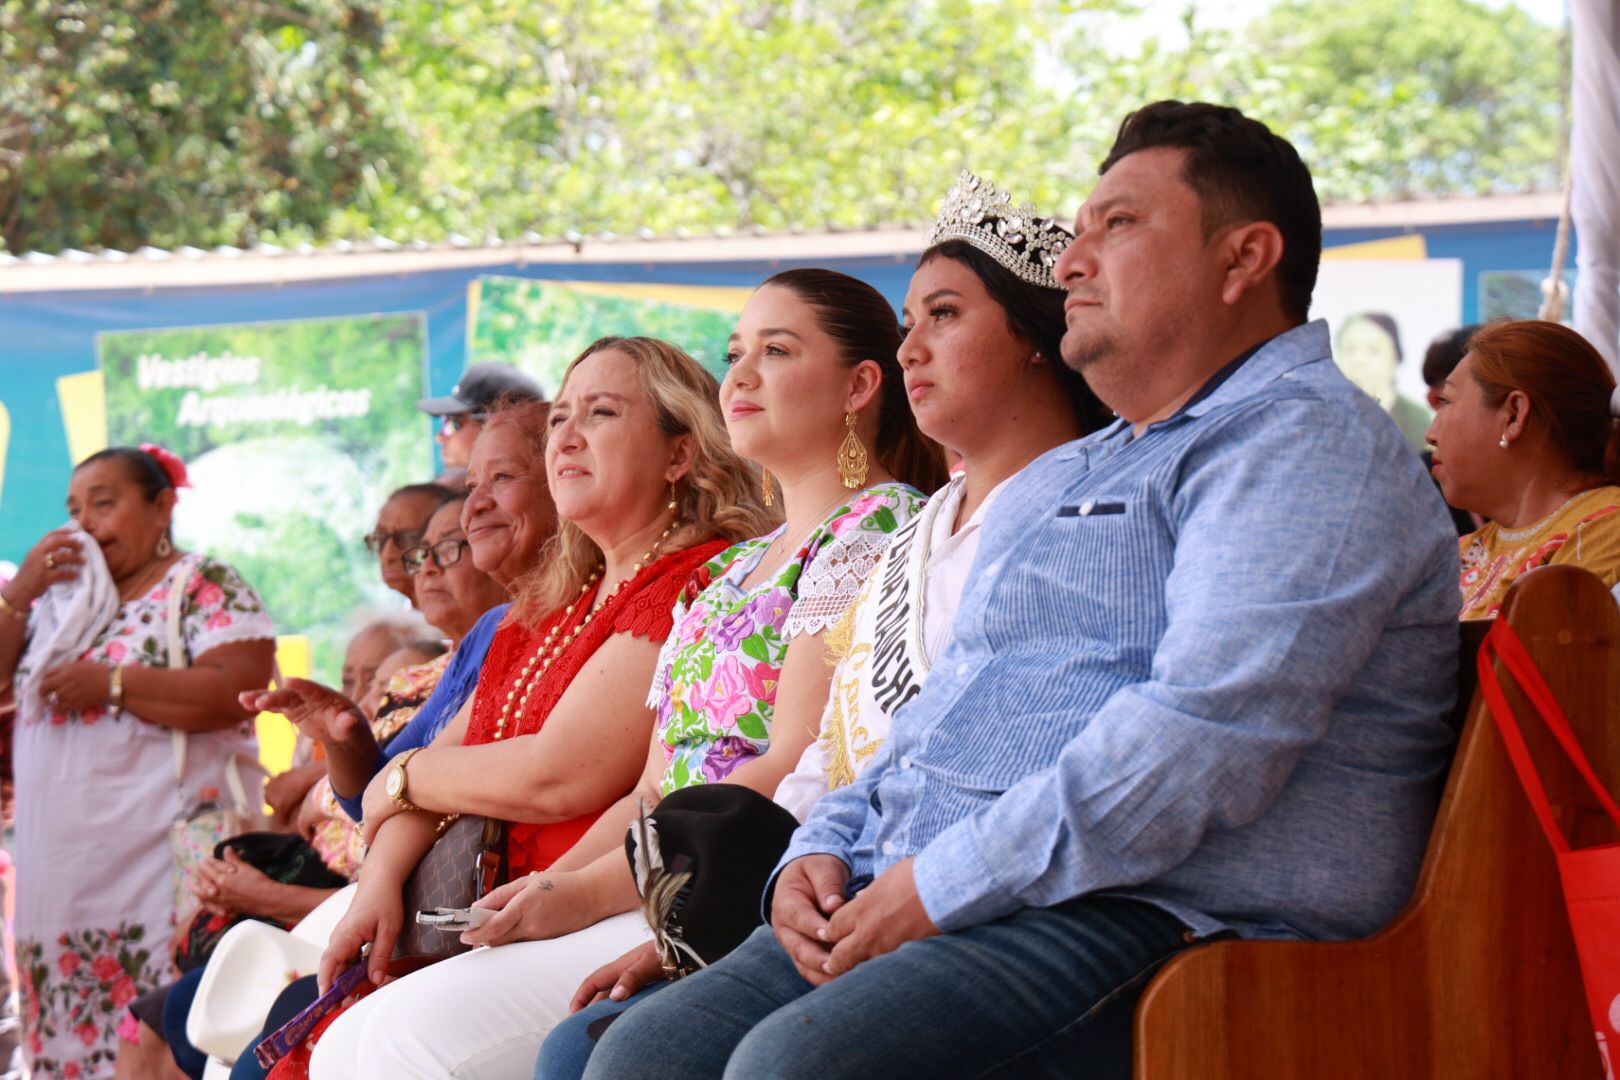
(233, 782)
(1503, 643)
(177, 659)
(181, 740)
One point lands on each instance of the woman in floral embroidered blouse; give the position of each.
(1527, 433)
(739, 686)
(100, 703)
(716, 682)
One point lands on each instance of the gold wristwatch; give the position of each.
(397, 782)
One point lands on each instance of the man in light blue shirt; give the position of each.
(1199, 682)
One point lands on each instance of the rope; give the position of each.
(1554, 292)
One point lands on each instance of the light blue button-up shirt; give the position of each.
(1208, 667)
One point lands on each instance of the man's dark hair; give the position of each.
(1242, 172)
(1445, 353)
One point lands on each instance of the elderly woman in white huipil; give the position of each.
(127, 657)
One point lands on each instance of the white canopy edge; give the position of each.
(152, 268)
(1595, 172)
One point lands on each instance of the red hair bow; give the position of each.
(172, 465)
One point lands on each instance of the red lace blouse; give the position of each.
(642, 608)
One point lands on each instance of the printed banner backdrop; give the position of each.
(540, 326)
(55, 408)
(1516, 294)
(1418, 298)
(293, 434)
(294, 429)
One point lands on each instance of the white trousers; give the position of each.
(478, 1016)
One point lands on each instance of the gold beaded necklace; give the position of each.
(540, 663)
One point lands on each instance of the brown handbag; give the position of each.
(465, 863)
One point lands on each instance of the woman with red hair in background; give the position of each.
(1526, 434)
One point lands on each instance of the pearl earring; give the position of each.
(1502, 442)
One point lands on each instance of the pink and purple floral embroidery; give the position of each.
(719, 674)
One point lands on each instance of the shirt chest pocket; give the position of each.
(1093, 508)
(1085, 543)
(1084, 572)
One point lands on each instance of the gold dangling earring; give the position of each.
(164, 549)
(767, 483)
(852, 463)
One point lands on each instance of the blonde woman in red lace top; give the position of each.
(647, 489)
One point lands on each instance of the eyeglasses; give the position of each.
(456, 421)
(445, 553)
(403, 539)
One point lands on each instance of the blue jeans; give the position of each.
(299, 995)
(568, 1048)
(1043, 992)
(176, 1007)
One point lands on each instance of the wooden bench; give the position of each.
(1477, 977)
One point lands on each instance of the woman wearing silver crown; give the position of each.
(983, 318)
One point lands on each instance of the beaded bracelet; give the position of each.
(13, 610)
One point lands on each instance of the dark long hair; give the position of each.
(861, 322)
(1034, 313)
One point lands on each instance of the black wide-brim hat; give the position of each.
(726, 839)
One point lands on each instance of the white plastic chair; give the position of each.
(250, 967)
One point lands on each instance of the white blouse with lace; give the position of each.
(900, 622)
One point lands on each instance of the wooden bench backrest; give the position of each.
(1477, 977)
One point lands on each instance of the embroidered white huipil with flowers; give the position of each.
(96, 795)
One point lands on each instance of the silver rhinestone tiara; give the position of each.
(976, 213)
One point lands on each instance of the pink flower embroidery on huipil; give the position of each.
(857, 510)
(726, 696)
(762, 681)
(691, 628)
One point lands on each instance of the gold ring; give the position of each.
(50, 560)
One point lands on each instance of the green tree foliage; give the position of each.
(1389, 98)
(206, 121)
(541, 327)
(663, 114)
(169, 122)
